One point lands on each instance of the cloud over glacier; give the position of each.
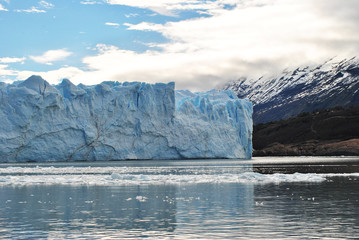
(51, 56)
(222, 41)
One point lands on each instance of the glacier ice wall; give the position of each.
(114, 121)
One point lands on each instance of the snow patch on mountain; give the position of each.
(304, 89)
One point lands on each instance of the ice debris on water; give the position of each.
(141, 198)
(134, 176)
(114, 121)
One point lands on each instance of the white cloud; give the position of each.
(12, 60)
(31, 10)
(112, 24)
(42, 5)
(54, 76)
(46, 4)
(145, 26)
(89, 2)
(2, 8)
(262, 37)
(131, 15)
(251, 39)
(7, 72)
(172, 7)
(51, 56)
(7, 75)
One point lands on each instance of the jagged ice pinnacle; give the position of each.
(114, 121)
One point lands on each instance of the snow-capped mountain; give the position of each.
(305, 89)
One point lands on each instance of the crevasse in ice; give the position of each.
(114, 121)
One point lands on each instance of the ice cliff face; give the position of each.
(113, 121)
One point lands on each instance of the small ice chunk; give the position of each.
(141, 198)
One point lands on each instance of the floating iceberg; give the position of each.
(116, 121)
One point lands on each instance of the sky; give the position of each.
(199, 44)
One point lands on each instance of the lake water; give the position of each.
(197, 199)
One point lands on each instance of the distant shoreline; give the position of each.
(330, 132)
(306, 164)
(334, 148)
(263, 165)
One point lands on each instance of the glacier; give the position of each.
(119, 121)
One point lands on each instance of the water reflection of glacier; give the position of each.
(172, 200)
(71, 212)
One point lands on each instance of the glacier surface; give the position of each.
(116, 121)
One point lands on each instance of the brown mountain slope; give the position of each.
(321, 133)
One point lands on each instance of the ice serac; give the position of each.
(115, 121)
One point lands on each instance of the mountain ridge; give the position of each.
(304, 89)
